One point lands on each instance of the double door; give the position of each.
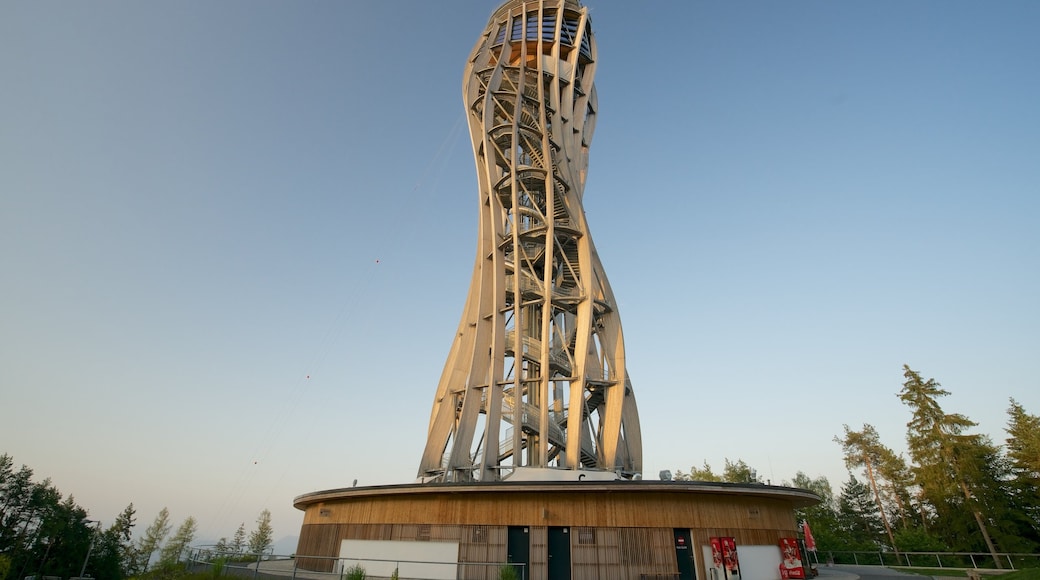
(558, 557)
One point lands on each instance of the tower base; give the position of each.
(548, 529)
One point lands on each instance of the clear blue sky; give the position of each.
(203, 204)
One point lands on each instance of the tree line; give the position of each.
(43, 533)
(954, 491)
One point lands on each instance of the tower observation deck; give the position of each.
(536, 375)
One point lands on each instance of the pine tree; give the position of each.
(68, 536)
(1023, 455)
(152, 538)
(174, 549)
(956, 471)
(899, 483)
(864, 449)
(115, 555)
(17, 502)
(28, 512)
(263, 536)
(123, 528)
(40, 532)
(1023, 444)
(858, 518)
(238, 542)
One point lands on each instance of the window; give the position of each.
(586, 536)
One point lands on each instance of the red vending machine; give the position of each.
(729, 559)
(790, 559)
(724, 562)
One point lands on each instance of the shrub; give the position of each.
(355, 572)
(918, 540)
(218, 567)
(508, 573)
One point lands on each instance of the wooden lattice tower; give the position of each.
(536, 375)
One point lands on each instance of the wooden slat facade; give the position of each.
(619, 530)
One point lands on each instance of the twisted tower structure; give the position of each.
(535, 394)
(536, 374)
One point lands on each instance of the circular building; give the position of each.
(580, 529)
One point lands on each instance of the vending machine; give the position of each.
(730, 560)
(790, 559)
(724, 562)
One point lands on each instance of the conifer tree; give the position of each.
(174, 549)
(17, 501)
(899, 483)
(864, 449)
(263, 536)
(948, 461)
(114, 555)
(858, 518)
(238, 541)
(1023, 445)
(1023, 454)
(152, 538)
(123, 529)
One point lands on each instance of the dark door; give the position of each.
(518, 550)
(684, 554)
(559, 554)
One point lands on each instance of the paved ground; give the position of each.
(284, 568)
(868, 572)
(836, 573)
(849, 572)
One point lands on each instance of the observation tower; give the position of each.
(533, 454)
(535, 384)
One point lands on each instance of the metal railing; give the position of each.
(952, 560)
(280, 567)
